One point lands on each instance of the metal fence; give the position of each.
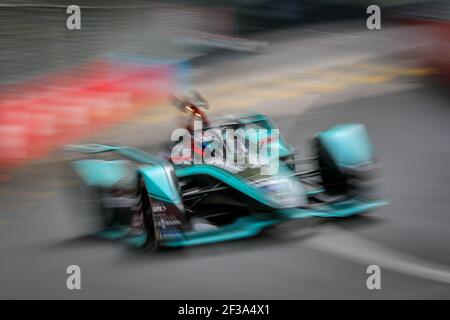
(34, 38)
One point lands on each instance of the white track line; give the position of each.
(343, 243)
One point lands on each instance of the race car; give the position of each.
(150, 201)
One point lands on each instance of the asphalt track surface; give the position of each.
(409, 239)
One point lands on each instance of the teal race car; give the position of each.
(150, 201)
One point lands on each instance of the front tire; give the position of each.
(145, 210)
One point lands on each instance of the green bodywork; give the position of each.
(262, 121)
(101, 173)
(348, 144)
(159, 184)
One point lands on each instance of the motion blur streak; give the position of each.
(52, 110)
(309, 65)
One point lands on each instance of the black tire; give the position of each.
(334, 182)
(107, 217)
(151, 241)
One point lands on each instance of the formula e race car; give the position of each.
(150, 201)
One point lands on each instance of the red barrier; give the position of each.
(38, 116)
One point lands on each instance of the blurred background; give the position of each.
(307, 64)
